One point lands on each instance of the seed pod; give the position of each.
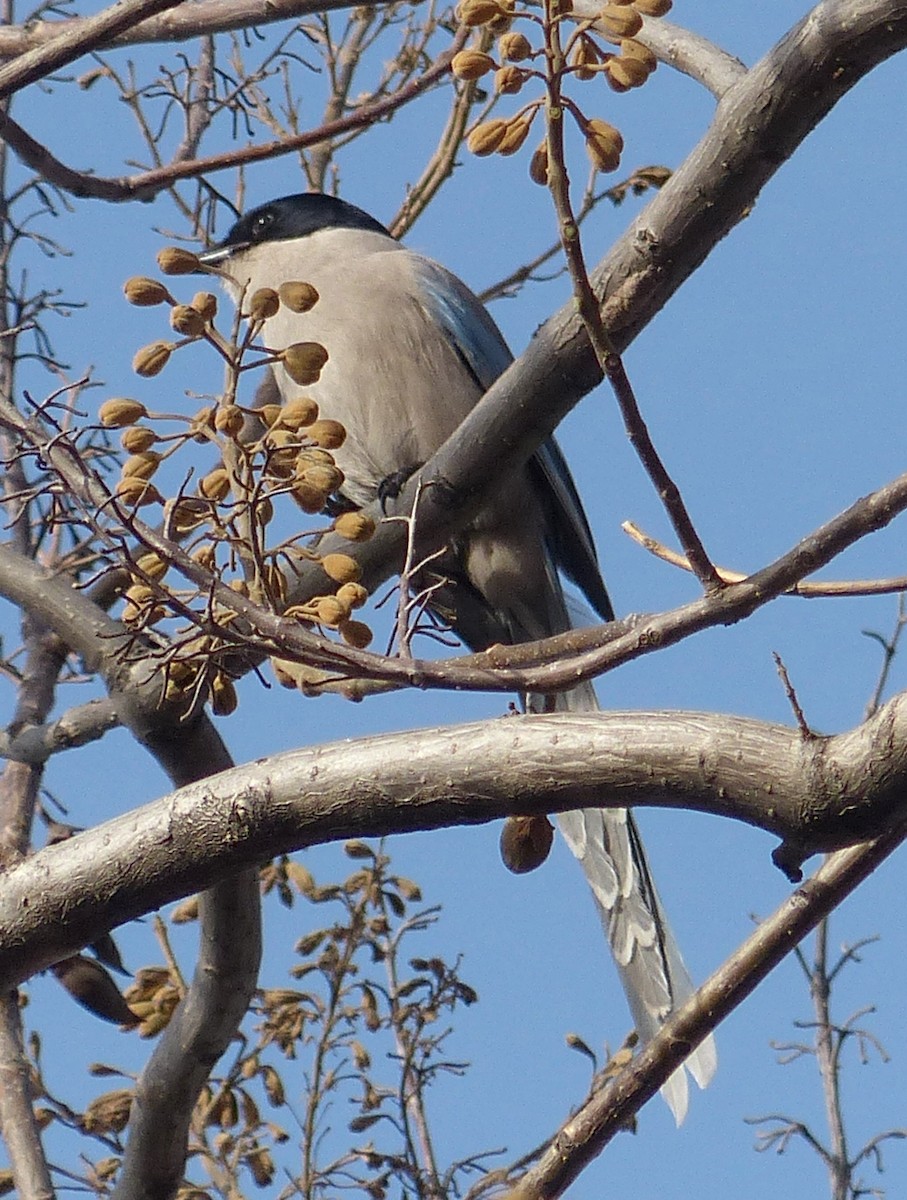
(187, 320)
(264, 304)
(224, 700)
(185, 912)
(585, 56)
(323, 476)
(501, 23)
(202, 421)
(145, 292)
(330, 611)
(206, 303)
(303, 362)
(260, 1162)
(619, 21)
(137, 492)
(309, 498)
(281, 464)
(298, 413)
(517, 132)
(603, 144)
(630, 48)
(473, 13)
(189, 513)
(173, 260)
(139, 594)
(538, 165)
(514, 47)
(269, 413)
(115, 414)
(142, 466)
(205, 555)
(297, 296)
(353, 594)
(151, 359)
(229, 419)
(108, 1113)
(152, 565)
(355, 526)
(137, 438)
(215, 485)
(626, 72)
(341, 568)
(356, 634)
(508, 80)
(525, 843)
(471, 64)
(653, 8)
(326, 433)
(486, 138)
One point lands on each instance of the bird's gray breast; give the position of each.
(392, 378)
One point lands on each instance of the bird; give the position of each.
(410, 351)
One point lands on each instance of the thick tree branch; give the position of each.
(79, 725)
(816, 793)
(202, 18)
(71, 44)
(686, 52)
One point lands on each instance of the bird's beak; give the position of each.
(216, 255)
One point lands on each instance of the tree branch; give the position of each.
(73, 43)
(816, 794)
(199, 19)
(587, 1133)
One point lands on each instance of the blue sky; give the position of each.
(773, 386)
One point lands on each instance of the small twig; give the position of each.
(805, 730)
(163, 938)
(825, 590)
(889, 649)
(147, 184)
(590, 312)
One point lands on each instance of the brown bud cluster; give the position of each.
(152, 998)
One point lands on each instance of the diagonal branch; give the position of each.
(587, 1133)
(71, 44)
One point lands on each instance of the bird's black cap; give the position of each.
(291, 217)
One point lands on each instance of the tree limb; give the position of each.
(816, 793)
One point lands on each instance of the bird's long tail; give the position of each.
(607, 843)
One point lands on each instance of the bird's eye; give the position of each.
(261, 225)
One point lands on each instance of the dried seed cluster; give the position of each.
(511, 66)
(227, 517)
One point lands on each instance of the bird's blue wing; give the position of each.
(483, 351)
(567, 529)
(467, 323)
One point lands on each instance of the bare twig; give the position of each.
(826, 589)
